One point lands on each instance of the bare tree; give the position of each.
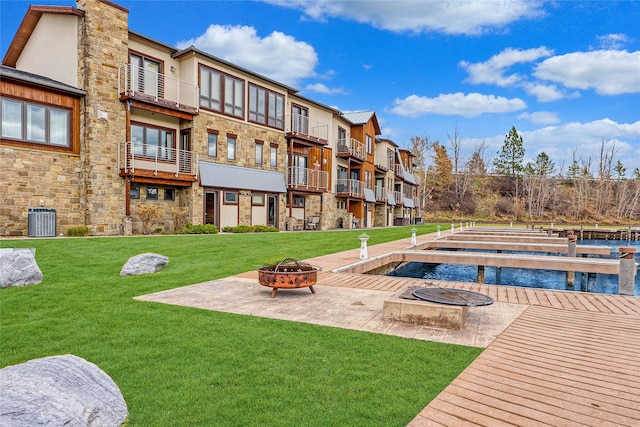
(461, 178)
(603, 187)
(420, 148)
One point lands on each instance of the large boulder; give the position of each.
(59, 391)
(19, 268)
(144, 264)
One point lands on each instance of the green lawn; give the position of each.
(179, 366)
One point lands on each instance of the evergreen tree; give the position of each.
(509, 161)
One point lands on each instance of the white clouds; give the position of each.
(321, 88)
(546, 92)
(492, 71)
(613, 41)
(466, 105)
(448, 17)
(608, 72)
(585, 139)
(541, 117)
(277, 56)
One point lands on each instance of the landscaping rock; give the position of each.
(144, 264)
(59, 391)
(19, 268)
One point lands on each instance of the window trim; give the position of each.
(152, 193)
(267, 107)
(273, 155)
(223, 95)
(259, 203)
(211, 132)
(233, 137)
(171, 192)
(259, 160)
(230, 202)
(145, 126)
(24, 125)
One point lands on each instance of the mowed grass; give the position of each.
(180, 366)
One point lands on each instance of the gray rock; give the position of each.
(59, 390)
(19, 268)
(144, 264)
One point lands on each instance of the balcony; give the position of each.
(140, 84)
(351, 148)
(350, 188)
(381, 194)
(145, 160)
(383, 162)
(303, 127)
(308, 179)
(398, 170)
(399, 198)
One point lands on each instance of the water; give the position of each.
(545, 279)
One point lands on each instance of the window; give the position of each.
(152, 193)
(369, 144)
(230, 198)
(273, 157)
(145, 74)
(298, 201)
(300, 119)
(259, 152)
(134, 193)
(221, 92)
(368, 180)
(266, 107)
(231, 147)
(36, 123)
(212, 143)
(169, 194)
(150, 141)
(342, 139)
(257, 199)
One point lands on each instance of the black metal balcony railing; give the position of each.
(135, 155)
(350, 188)
(304, 126)
(352, 147)
(135, 81)
(308, 179)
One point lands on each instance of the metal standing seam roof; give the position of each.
(241, 178)
(409, 203)
(358, 117)
(369, 196)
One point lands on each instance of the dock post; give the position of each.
(571, 253)
(627, 276)
(480, 278)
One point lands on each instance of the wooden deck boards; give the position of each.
(571, 359)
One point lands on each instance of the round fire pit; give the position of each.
(288, 274)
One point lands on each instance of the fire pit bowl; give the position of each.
(288, 274)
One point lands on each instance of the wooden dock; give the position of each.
(516, 246)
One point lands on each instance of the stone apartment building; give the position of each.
(105, 120)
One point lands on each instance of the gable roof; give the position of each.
(362, 118)
(28, 25)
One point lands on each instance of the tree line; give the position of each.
(505, 188)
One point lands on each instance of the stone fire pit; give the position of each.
(288, 274)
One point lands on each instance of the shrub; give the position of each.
(238, 229)
(149, 214)
(264, 229)
(198, 229)
(78, 231)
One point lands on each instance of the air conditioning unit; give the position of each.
(41, 222)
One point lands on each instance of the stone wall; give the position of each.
(34, 179)
(103, 40)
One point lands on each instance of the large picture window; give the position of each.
(31, 122)
(221, 92)
(153, 142)
(266, 107)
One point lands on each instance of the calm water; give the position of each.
(546, 279)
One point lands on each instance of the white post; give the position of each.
(438, 231)
(363, 245)
(453, 230)
(413, 236)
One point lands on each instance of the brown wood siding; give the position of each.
(25, 92)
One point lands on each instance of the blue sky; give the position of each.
(566, 74)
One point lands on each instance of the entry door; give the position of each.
(272, 211)
(300, 119)
(211, 208)
(184, 154)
